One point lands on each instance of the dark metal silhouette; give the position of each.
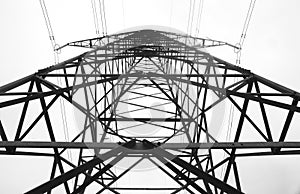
(170, 63)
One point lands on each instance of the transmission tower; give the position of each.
(112, 89)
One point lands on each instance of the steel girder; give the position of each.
(147, 64)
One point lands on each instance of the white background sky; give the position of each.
(271, 49)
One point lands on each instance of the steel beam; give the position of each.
(176, 146)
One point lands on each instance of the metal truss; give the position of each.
(127, 70)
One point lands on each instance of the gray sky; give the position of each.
(271, 50)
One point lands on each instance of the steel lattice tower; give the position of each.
(128, 70)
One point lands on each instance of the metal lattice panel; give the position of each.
(111, 88)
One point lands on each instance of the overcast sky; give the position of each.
(271, 49)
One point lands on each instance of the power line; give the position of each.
(192, 17)
(238, 60)
(104, 15)
(49, 29)
(102, 20)
(56, 61)
(101, 16)
(189, 18)
(95, 17)
(245, 29)
(200, 8)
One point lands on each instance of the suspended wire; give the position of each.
(49, 29)
(198, 23)
(95, 15)
(65, 123)
(229, 129)
(104, 16)
(47, 20)
(245, 29)
(240, 44)
(189, 18)
(192, 17)
(101, 16)
(56, 61)
(247, 20)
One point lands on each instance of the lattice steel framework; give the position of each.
(127, 70)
